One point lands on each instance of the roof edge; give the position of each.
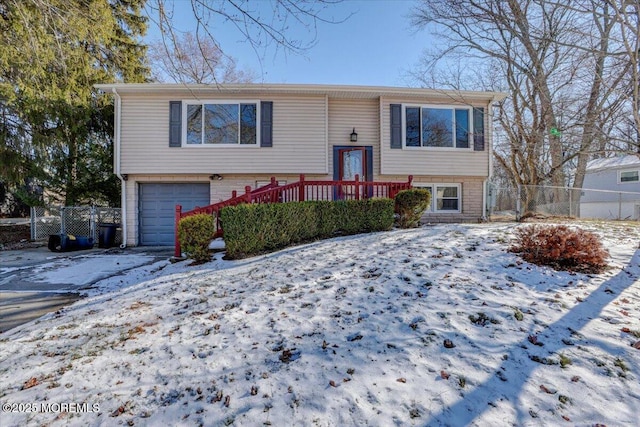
(300, 88)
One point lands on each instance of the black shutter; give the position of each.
(396, 126)
(175, 123)
(266, 124)
(478, 129)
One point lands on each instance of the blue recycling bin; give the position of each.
(84, 242)
(107, 235)
(68, 242)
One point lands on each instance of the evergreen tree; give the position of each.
(56, 129)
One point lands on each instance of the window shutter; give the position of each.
(478, 129)
(396, 126)
(266, 124)
(175, 123)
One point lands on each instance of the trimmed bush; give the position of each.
(410, 205)
(195, 233)
(255, 228)
(561, 248)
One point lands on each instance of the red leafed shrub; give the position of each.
(560, 247)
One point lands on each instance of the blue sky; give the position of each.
(375, 46)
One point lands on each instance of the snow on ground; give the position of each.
(349, 331)
(89, 269)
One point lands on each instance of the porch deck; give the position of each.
(299, 191)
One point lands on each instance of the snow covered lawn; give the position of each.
(433, 326)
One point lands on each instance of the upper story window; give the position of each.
(629, 176)
(437, 127)
(221, 123)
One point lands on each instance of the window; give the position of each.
(430, 190)
(447, 198)
(444, 197)
(629, 176)
(437, 127)
(221, 123)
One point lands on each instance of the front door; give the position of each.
(349, 162)
(353, 161)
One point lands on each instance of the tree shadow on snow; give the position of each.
(463, 413)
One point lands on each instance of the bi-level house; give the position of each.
(194, 144)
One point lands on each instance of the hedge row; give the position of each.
(254, 228)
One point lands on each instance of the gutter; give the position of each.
(489, 142)
(333, 91)
(116, 159)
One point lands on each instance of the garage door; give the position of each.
(157, 206)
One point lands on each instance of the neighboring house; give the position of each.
(618, 182)
(193, 144)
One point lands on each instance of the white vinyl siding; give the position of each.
(440, 162)
(299, 139)
(361, 114)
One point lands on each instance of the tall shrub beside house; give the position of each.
(195, 233)
(254, 228)
(410, 205)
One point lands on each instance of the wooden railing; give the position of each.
(295, 192)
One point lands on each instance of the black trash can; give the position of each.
(107, 235)
(55, 242)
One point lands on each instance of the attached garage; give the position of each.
(156, 210)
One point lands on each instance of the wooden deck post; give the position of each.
(357, 187)
(247, 193)
(177, 252)
(301, 189)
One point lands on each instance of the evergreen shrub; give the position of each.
(410, 205)
(195, 233)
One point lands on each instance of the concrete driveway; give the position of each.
(37, 281)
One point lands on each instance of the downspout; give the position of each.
(489, 143)
(116, 159)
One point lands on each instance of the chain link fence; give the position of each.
(75, 220)
(533, 200)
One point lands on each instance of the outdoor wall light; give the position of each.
(354, 136)
(215, 176)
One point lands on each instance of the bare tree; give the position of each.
(262, 24)
(627, 17)
(190, 61)
(557, 62)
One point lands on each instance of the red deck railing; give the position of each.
(295, 192)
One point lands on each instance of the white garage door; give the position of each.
(157, 205)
